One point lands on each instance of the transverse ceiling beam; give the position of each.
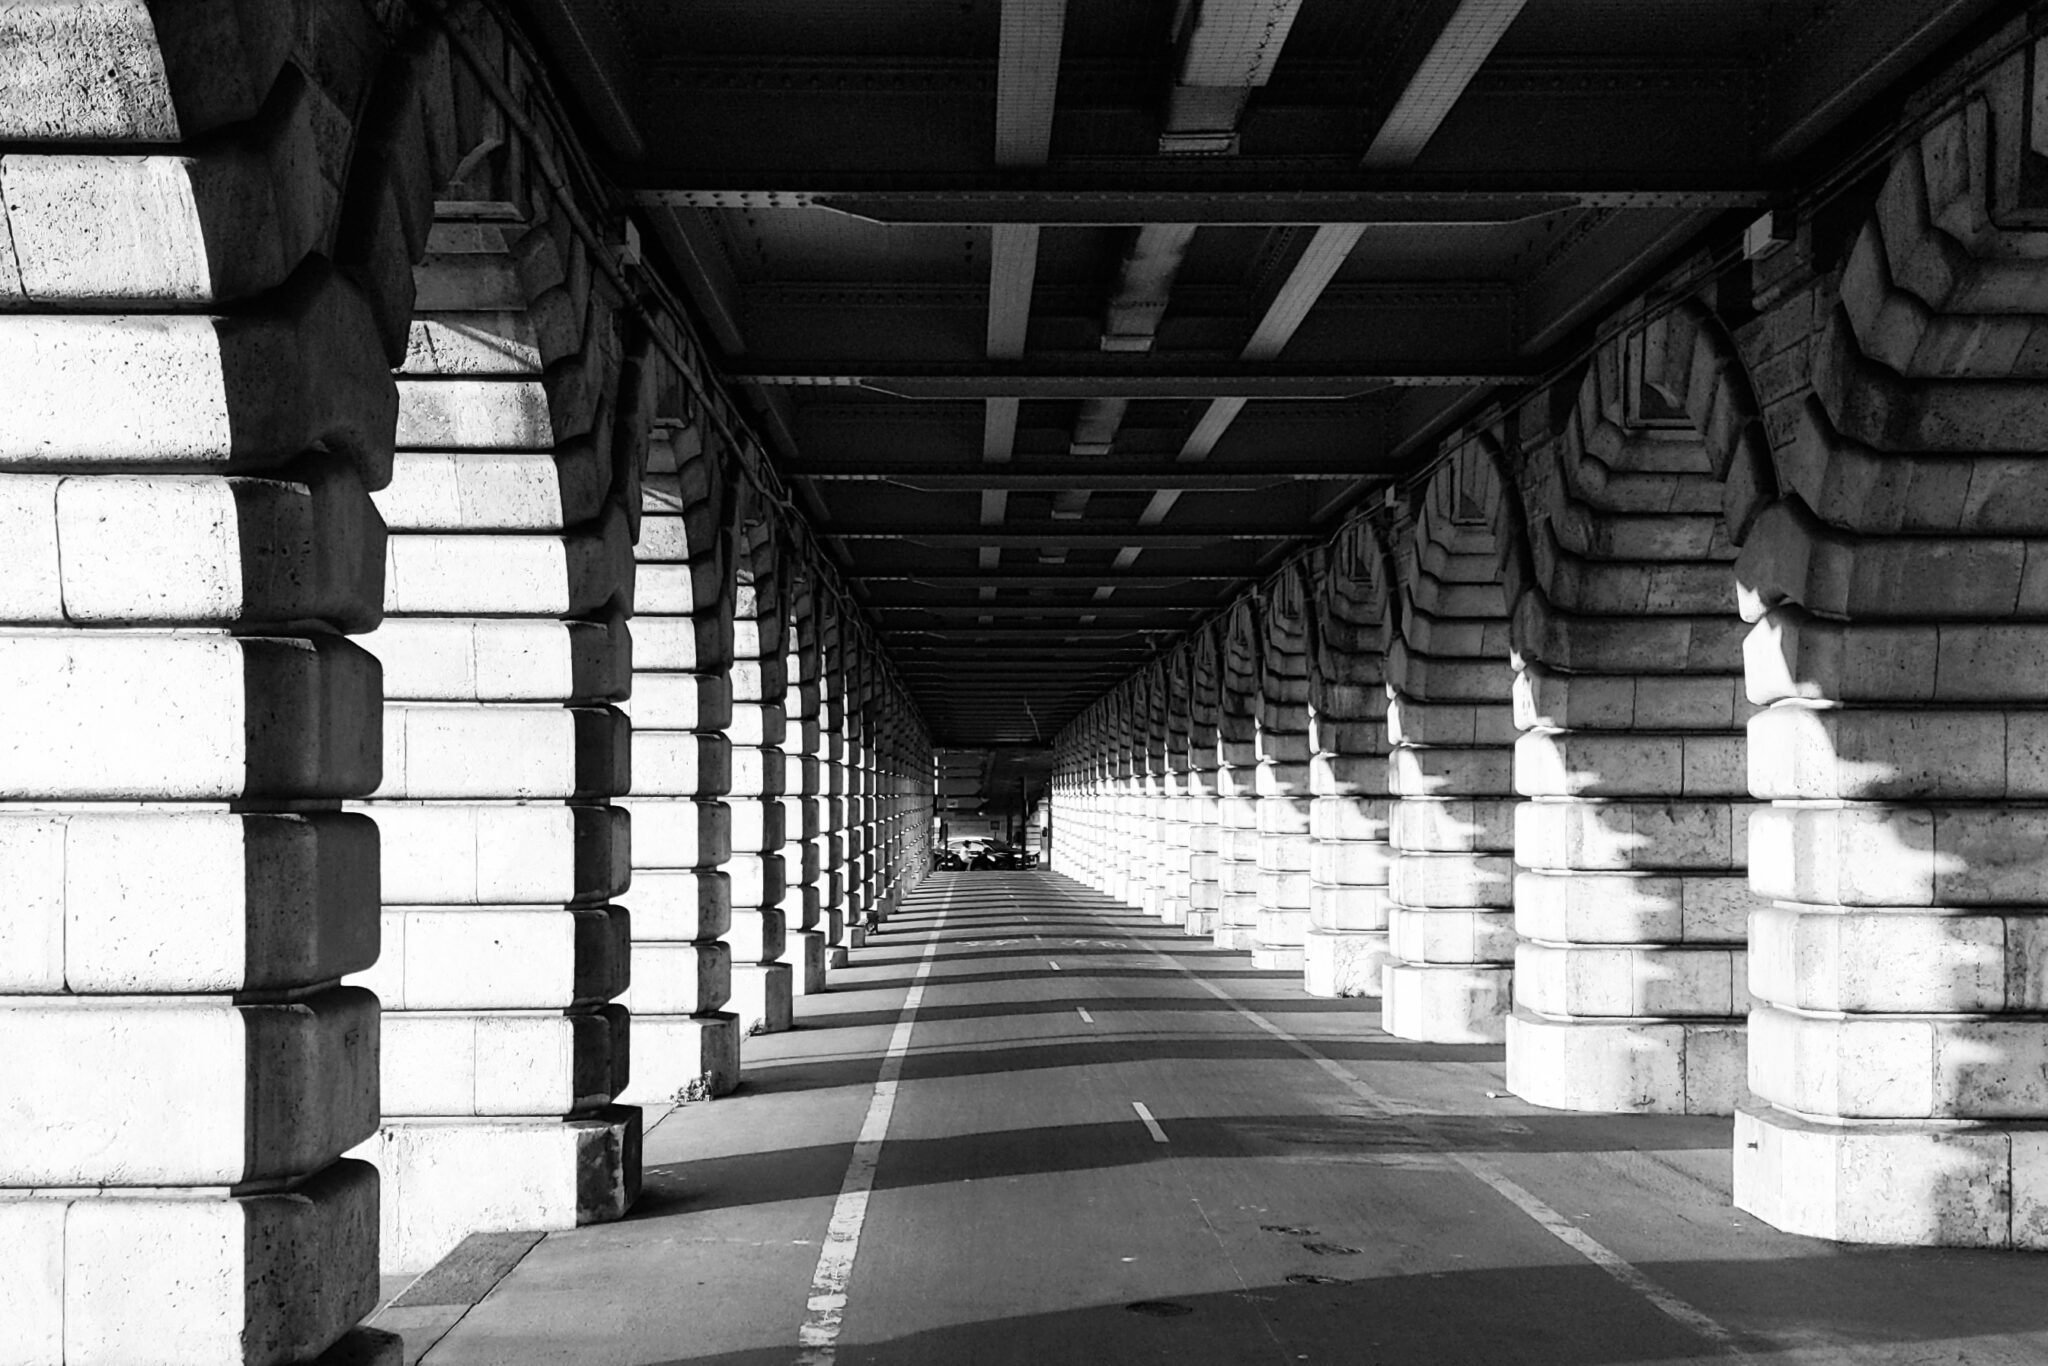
(1228, 192)
(1113, 376)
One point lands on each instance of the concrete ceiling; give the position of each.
(1069, 320)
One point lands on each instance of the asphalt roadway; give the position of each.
(1028, 1125)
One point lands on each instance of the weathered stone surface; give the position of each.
(128, 902)
(446, 1179)
(188, 1092)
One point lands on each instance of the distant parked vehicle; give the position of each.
(995, 857)
(949, 862)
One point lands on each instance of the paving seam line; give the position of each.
(1553, 1223)
(826, 1307)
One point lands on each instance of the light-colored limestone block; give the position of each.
(108, 902)
(191, 717)
(1445, 1004)
(502, 1063)
(501, 854)
(498, 958)
(681, 1058)
(270, 1278)
(1912, 1185)
(446, 1179)
(190, 1091)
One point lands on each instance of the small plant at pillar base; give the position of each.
(699, 1088)
(756, 1027)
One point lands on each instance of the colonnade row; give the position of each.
(1685, 727)
(426, 738)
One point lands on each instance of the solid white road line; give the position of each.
(1082, 1011)
(819, 1335)
(1158, 1134)
(1551, 1221)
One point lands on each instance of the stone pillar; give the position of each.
(866, 775)
(804, 939)
(1077, 834)
(830, 801)
(1176, 799)
(1237, 770)
(1099, 810)
(508, 569)
(1283, 778)
(1205, 817)
(1631, 899)
(1347, 947)
(1122, 795)
(191, 417)
(1451, 727)
(1899, 1045)
(1151, 773)
(685, 1043)
(853, 779)
(763, 985)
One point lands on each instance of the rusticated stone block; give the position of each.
(185, 1092)
(119, 902)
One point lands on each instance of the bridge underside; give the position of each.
(1501, 534)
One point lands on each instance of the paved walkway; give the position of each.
(1028, 1126)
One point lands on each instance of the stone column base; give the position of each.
(763, 997)
(1237, 938)
(1277, 939)
(681, 1058)
(1200, 924)
(1905, 1183)
(444, 1179)
(1277, 957)
(1446, 1002)
(1344, 962)
(1615, 1066)
(803, 953)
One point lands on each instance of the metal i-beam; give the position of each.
(1228, 48)
(1454, 58)
(1027, 78)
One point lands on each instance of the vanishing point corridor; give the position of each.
(1042, 681)
(1031, 1126)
